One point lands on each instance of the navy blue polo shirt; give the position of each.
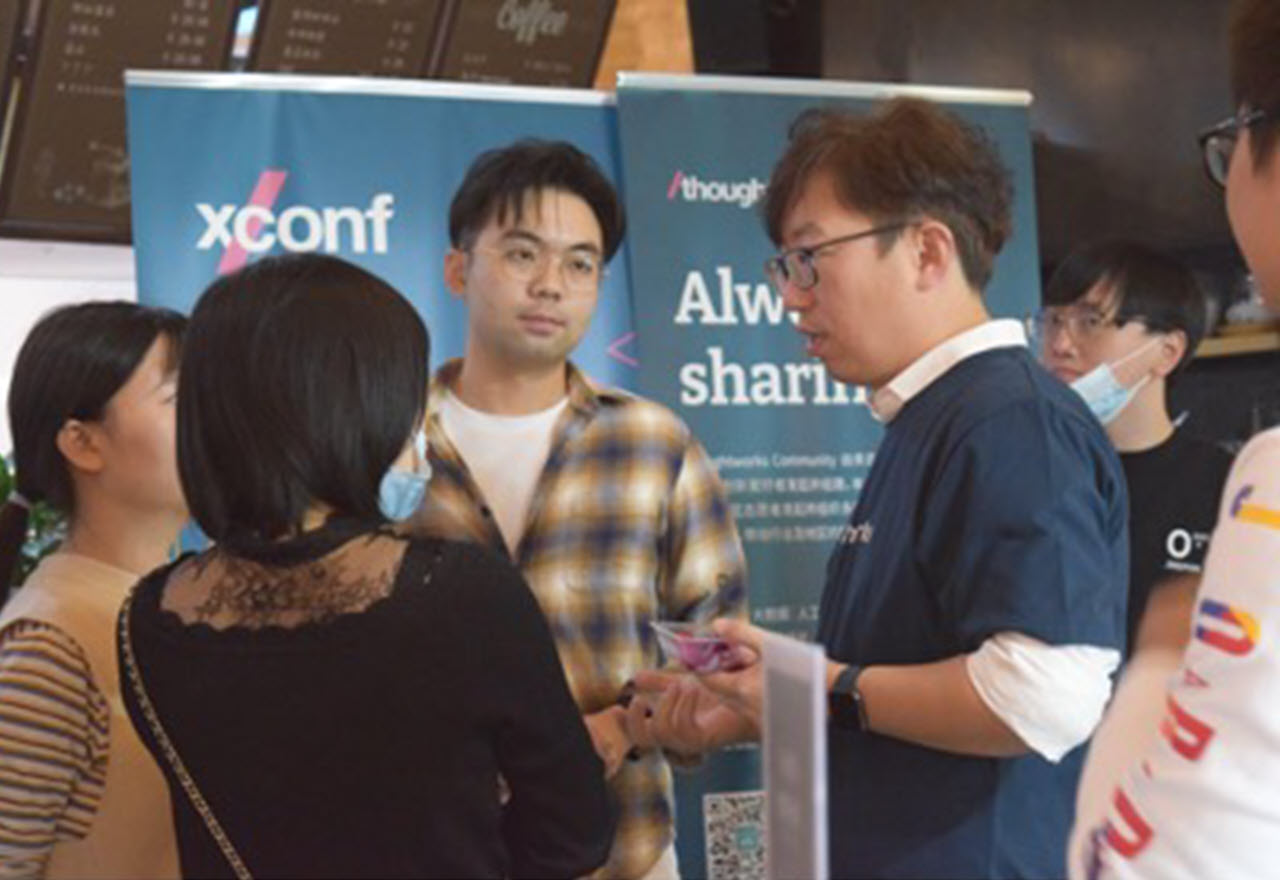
(996, 503)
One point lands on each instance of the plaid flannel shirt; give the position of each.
(629, 523)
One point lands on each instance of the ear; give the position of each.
(455, 271)
(80, 444)
(1173, 345)
(933, 253)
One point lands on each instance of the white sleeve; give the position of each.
(1203, 800)
(1051, 696)
(1127, 732)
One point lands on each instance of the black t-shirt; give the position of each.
(996, 503)
(371, 744)
(1174, 492)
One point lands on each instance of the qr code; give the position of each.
(734, 835)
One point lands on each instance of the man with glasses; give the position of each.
(1197, 794)
(606, 502)
(974, 607)
(1120, 321)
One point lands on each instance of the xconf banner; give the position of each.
(793, 445)
(226, 168)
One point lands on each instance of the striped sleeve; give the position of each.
(53, 745)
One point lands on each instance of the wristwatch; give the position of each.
(844, 701)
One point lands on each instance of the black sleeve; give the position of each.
(559, 821)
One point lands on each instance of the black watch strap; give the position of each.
(844, 700)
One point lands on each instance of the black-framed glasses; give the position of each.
(1082, 324)
(795, 266)
(1218, 142)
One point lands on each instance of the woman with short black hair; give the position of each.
(91, 411)
(326, 696)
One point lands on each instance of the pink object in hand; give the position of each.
(695, 645)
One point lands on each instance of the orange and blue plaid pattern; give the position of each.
(629, 523)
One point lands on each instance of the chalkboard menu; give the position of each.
(66, 170)
(12, 14)
(531, 42)
(364, 37)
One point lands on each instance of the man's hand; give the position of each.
(677, 713)
(691, 714)
(743, 688)
(608, 729)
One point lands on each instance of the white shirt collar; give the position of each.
(889, 400)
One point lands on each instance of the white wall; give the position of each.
(36, 276)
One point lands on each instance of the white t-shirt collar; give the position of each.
(889, 400)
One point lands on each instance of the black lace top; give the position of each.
(347, 702)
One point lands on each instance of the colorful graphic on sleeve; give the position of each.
(1127, 832)
(1135, 834)
(1187, 734)
(1227, 628)
(1223, 627)
(1253, 513)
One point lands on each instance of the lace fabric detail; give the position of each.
(221, 590)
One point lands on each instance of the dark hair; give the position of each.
(498, 181)
(1148, 286)
(71, 364)
(302, 379)
(910, 158)
(1255, 69)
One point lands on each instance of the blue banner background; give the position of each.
(195, 139)
(696, 154)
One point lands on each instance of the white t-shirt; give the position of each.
(1199, 796)
(505, 455)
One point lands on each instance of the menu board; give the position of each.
(531, 42)
(12, 14)
(358, 37)
(66, 170)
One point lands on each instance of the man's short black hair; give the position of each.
(498, 181)
(302, 379)
(1147, 285)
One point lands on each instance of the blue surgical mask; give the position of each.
(1105, 394)
(401, 492)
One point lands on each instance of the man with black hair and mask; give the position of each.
(1120, 321)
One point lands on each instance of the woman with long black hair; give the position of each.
(92, 415)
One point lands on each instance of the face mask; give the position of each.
(401, 492)
(1104, 394)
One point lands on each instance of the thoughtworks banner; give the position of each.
(793, 445)
(229, 167)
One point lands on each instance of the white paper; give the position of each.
(795, 759)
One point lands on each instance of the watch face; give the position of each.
(843, 700)
(843, 709)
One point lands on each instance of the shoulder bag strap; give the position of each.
(170, 753)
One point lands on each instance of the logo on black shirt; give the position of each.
(1185, 549)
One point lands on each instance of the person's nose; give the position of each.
(795, 298)
(548, 279)
(1060, 342)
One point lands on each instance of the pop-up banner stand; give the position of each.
(226, 167)
(793, 445)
